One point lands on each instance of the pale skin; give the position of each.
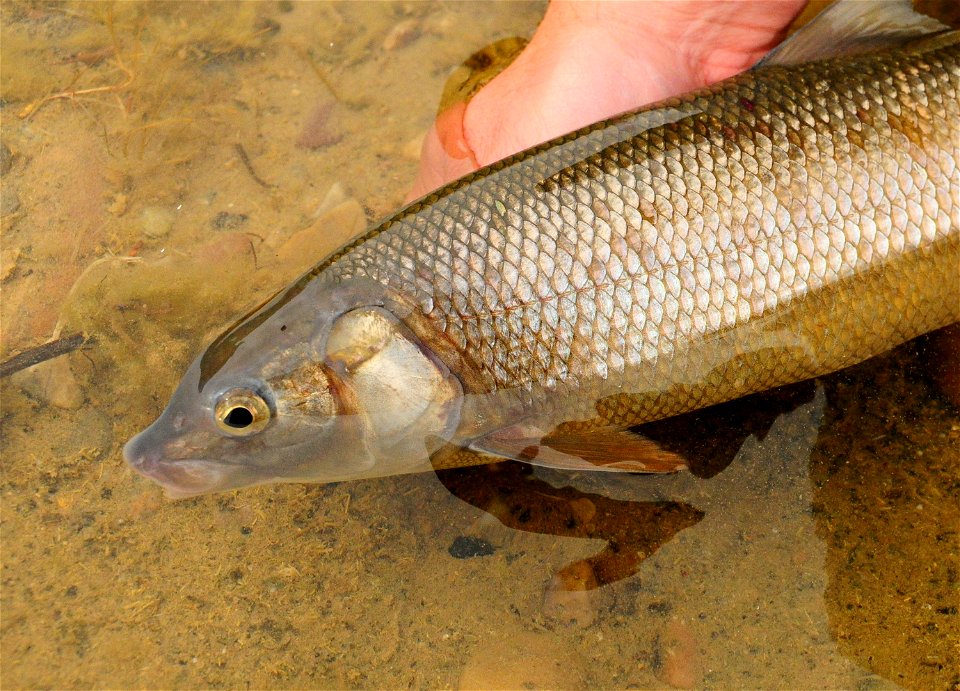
(589, 60)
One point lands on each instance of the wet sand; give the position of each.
(199, 158)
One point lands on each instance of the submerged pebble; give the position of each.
(402, 34)
(468, 547)
(156, 221)
(228, 221)
(334, 197)
(53, 382)
(413, 148)
(677, 655)
(522, 660)
(331, 230)
(584, 510)
(571, 596)
(321, 128)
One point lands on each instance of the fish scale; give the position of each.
(783, 224)
(727, 231)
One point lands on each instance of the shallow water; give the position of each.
(200, 158)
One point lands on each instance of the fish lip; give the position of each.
(180, 478)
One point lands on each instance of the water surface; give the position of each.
(193, 159)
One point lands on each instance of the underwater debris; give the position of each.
(42, 353)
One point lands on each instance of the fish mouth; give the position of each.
(180, 478)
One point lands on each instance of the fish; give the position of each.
(785, 223)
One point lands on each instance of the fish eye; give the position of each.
(241, 412)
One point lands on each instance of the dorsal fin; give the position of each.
(849, 27)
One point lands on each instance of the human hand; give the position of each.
(591, 60)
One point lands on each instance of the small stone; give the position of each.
(583, 509)
(522, 660)
(659, 608)
(331, 230)
(571, 596)
(52, 381)
(402, 34)
(6, 159)
(467, 547)
(9, 201)
(413, 148)
(228, 221)
(321, 128)
(677, 652)
(334, 197)
(156, 221)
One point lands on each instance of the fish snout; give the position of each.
(179, 477)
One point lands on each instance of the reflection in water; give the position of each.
(707, 439)
(722, 602)
(811, 518)
(886, 477)
(511, 493)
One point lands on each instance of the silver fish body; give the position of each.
(788, 222)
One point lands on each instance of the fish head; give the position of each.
(325, 386)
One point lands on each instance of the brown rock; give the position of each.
(321, 127)
(583, 509)
(413, 148)
(334, 228)
(53, 382)
(571, 596)
(679, 664)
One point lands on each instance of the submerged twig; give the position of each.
(242, 153)
(42, 353)
(34, 106)
(311, 63)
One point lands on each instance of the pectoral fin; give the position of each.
(606, 448)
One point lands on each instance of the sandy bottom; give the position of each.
(167, 166)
